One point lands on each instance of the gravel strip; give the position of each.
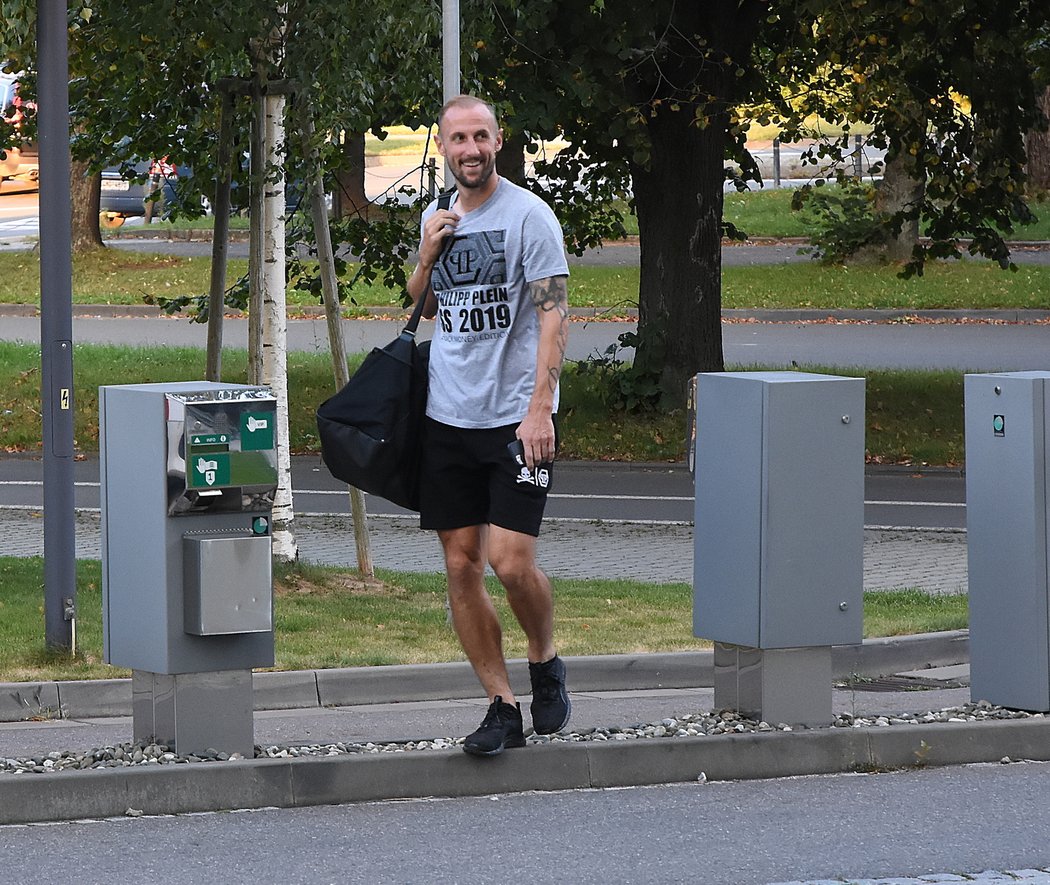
(701, 724)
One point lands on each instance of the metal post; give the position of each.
(776, 162)
(56, 327)
(858, 165)
(450, 64)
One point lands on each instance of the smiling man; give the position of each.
(492, 268)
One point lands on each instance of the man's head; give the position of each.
(469, 137)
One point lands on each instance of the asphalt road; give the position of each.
(951, 820)
(583, 491)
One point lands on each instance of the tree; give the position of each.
(645, 96)
(650, 96)
(84, 188)
(917, 72)
(1037, 145)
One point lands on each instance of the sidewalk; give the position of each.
(355, 731)
(934, 561)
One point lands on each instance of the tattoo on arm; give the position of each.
(552, 294)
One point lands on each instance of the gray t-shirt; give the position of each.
(483, 356)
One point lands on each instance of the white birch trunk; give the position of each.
(275, 321)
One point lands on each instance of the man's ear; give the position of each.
(499, 139)
(439, 145)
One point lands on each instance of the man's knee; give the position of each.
(515, 568)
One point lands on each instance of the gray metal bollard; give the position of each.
(188, 474)
(778, 536)
(1008, 537)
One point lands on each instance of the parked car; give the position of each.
(125, 195)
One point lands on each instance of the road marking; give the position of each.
(567, 497)
(916, 503)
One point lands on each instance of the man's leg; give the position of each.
(513, 558)
(473, 614)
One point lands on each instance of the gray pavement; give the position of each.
(934, 561)
(399, 704)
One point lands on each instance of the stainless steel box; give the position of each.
(228, 584)
(1008, 537)
(779, 518)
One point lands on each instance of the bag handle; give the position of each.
(443, 202)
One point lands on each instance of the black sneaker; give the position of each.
(550, 708)
(500, 729)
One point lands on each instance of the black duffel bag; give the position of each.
(370, 430)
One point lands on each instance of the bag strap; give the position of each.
(443, 202)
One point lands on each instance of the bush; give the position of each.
(842, 218)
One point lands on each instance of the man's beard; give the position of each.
(484, 175)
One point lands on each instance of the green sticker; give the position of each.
(257, 430)
(210, 470)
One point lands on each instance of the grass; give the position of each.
(912, 416)
(944, 286)
(120, 277)
(328, 617)
(766, 212)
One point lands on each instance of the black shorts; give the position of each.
(469, 477)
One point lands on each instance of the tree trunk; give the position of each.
(1037, 145)
(220, 240)
(679, 204)
(333, 315)
(84, 190)
(678, 193)
(275, 320)
(349, 197)
(900, 191)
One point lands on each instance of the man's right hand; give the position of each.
(441, 225)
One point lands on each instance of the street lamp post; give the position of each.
(450, 60)
(56, 326)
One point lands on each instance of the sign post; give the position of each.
(56, 327)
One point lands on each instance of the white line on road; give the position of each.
(95, 485)
(916, 503)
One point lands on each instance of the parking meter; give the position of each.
(188, 476)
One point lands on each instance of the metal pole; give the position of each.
(56, 326)
(450, 72)
(776, 162)
(450, 55)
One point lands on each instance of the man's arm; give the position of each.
(418, 286)
(536, 431)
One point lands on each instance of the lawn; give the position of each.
(328, 617)
(121, 277)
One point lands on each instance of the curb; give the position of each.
(296, 783)
(304, 689)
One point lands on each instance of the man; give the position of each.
(492, 266)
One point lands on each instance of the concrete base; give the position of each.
(195, 712)
(775, 685)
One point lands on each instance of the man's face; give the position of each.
(469, 140)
